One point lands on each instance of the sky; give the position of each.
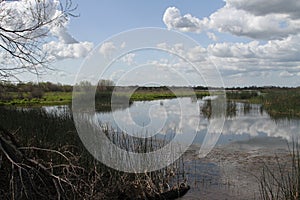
(250, 43)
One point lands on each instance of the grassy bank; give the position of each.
(156, 95)
(102, 97)
(48, 98)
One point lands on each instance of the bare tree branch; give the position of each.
(22, 34)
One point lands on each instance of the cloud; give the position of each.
(242, 60)
(255, 59)
(242, 23)
(271, 52)
(162, 45)
(61, 44)
(60, 73)
(62, 34)
(129, 59)
(259, 8)
(248, 57)
(255, 19)
(66, 46)
(196, 54)
(287, 49)
(107, 49)
(238, 50)
(20, 14)
(212, 36)
(286, 74)
(245, 61)
(116, 75)
(187, 23)
(59, 51)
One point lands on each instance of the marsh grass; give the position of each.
(282, 103)
(282, 181)
(55, 164)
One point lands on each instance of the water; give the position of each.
(248, 138)
(184, 115)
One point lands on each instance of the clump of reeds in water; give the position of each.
(282, 181)
(43, 157)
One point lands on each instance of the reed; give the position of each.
(48, 160)
(282, 181)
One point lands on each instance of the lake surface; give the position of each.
(249, 137)
(180, 116)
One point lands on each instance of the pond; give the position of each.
(243, 123)
(249, 137)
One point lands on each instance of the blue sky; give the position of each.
(101, 19)
(251, 42)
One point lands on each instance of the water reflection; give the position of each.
(244, 121)
(162, 117)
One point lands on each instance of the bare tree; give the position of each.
(24, 31)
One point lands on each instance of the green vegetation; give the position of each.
(280, 103)
(48, 98)
(31, 94)
(241, 95)
(153, 94)
(276, 101)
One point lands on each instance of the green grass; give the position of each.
(49, 98)
(283, 103)
(156, 95)
(103, 98)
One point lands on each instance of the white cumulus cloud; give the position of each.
(19, 15)
(242, 23)
(187, 23)
(255, 19)
(272, 29)
(58, 50)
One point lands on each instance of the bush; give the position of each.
(36, 92)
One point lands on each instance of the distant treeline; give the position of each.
(261, 88)
(108, 85)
